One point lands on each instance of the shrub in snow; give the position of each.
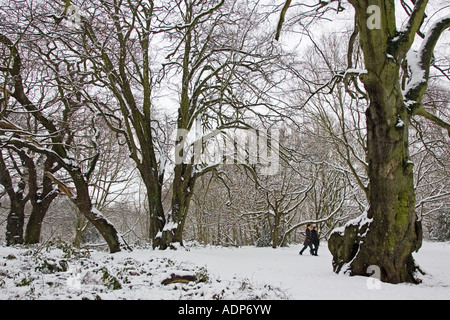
(51, 265)
(265, 240)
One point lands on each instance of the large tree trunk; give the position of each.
(183, 186)
(153, 185)
(390, 232)
(15, 223)
(34, 225)
(157, 218)
(16, 216)
(109, 233)
(395, 231)
(40, 201)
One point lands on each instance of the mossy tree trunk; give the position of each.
(394, 231)
(84, 204)
(16, 217)
(390, 232)
(41, 197)
(183, 186)
(58, 152)
(15, 223)
(34, 225)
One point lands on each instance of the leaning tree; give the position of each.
(44, 89)
(398, 62)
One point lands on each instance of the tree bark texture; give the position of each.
(183, 186)
(16, 217)
(15, 223)
(84, 204)
(390, 232)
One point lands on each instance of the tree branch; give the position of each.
(428, 115)
(415, 22)
(420, 63)
(61, 186)
(282, 19)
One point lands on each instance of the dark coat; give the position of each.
(307, 241)
(314, 238)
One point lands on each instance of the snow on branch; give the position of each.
(419, 64)
(69, 192)
(414, 24)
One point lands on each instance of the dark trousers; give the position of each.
(310, 249)
(315, 248)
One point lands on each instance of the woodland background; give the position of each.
(242, 78)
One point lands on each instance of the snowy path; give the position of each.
(232, 273)
(309, 277)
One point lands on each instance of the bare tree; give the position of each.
(55, 136)
(17, 201)
(209, 57)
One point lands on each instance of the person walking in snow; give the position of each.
(307, 243)
(314, 240)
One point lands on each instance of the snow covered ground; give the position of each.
(221, 273)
